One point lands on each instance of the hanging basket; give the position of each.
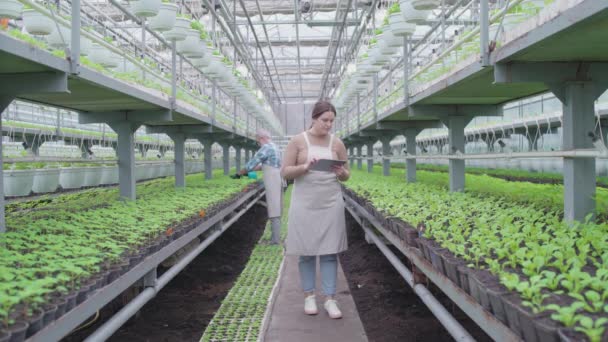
(165, 19)
(10, 9)
(145, 8)
(423, 5)
(392, 40)
(179, 31)
(399, 27)
(192, 46)
(37, 23)
(412, 15)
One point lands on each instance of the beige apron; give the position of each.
(274, 192)
(316, 223)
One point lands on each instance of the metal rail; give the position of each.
(486, 321)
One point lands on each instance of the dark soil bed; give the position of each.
(182, 310)
(387, 305)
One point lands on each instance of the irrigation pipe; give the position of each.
(106, 330)
(447, 320)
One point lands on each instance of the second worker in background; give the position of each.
(269, 157)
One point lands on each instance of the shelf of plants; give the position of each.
(64, 258)
(445, 50)
(504, 244)
(112, 50)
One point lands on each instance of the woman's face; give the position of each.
(325, 122)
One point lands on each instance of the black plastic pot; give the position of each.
(463, 276)
(113, 273)
(35, 322)
(83, 293)
(510, 303)
(450, 264)
(61, 304)
(18, 330)
(5, 336)
(71, 299)
(547, 329)
(49, 313)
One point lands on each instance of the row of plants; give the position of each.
(23, 178)
(507, 174)
(58, 250)
(543, 277)
(241, 315)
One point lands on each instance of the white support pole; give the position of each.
(360, 157)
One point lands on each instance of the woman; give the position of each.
(316, 216)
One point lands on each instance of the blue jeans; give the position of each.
(329, 271)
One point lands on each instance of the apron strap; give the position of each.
(306, 138)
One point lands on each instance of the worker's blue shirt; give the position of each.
(267, 155)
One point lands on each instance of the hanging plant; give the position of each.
(179, 30)
(145, 8)
(165, 19)
(36, 23)
(10, 9)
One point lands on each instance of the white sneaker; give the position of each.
(310, 305)
(331, 306)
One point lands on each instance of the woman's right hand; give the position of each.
(310, 164)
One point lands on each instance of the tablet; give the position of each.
(326, 164)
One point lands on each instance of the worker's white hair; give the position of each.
(262, 133)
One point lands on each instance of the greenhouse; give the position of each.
(304, 170)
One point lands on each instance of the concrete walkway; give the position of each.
(289, 323)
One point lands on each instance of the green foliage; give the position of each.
(53, 243)
(514, 229)
(394, 8)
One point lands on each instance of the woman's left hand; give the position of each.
(340, 171)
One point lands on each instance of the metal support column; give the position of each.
(4, 102)
(456, 126)
(579, 173)
(75, 38)
(410, 164)
(360, 157)
(126, 157)
(237, 157)
(179, 140)
(226, 158)
(247, 155)
(208, 158)
(386, 152)
(484, 32)
(351, 158)
(370, 156)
